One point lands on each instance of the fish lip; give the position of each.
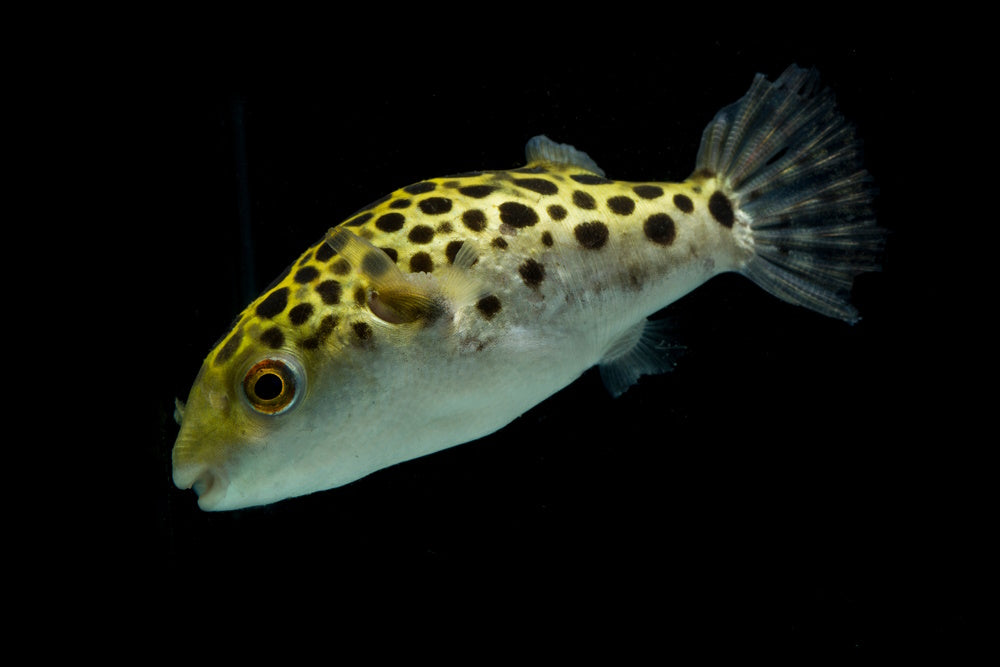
(210, 484)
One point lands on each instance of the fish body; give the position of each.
(443, 311)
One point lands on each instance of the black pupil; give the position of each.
(268, 387)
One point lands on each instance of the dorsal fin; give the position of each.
(543, 149)
(642, 349)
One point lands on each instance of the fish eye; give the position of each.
(272, 386)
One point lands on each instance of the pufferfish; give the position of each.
(444, 310)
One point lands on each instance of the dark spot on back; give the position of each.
(341, 267)
(488, 306)
(420, 188)
(539, 185)
(435, 205)
(684, 203)
(659, 228)
(324, 253)
(421, 262)
(476, 191)
(584, 200)
(400, 203)
(721, 209)
(300, 314)
(306, 274)
(422, 234)
(592, 235)
(451, 250)
(589, 179)
(390, 222)
(499, 242)
(229, 349)
(273, 338)
(621, 205)
(648, 191)
(329, 291)
(557, 212)
(537, 169)
(702, 174)
(393, 255)
(360, 296)
(360, 220)
(474, 219)
(326, 327)
(274, 304)
(547, 239)
(516, 214)
(444, 228)
(532, 273)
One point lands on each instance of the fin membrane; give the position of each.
(792, 165)
(543, 149)
(642, 350)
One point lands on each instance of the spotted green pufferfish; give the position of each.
(443, 311)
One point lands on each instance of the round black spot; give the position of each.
(451, 251)
(589, 179)
(324, 253)
(420, 188)
(360, 296)
(721, 209)
(488, 306)
(499, 242)
(359, 220)
(390, 222)
(591, 235)
(300, 314)
(362, 330)
(557, 212)
(329, 291)
(229, 349)
(273, 338)
(474, 219)
(539, 185)
(341, 267)
(684, 203)
(584, 200)
(306, 274)
(326, 327)
(532, 273)
(659, 228)
(422, 234)
(400, 203)
(393, 255)
(517, 215)
(476, 191)
(547, 239)
(274, 304)
(444, 228)
(421, 262)
(435, 205)
(621, 205)
(648, 191)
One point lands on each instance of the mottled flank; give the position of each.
(326, 327)
(300, 314)
(721, 209)
(532, 273)
(659, 228)
(421, 262)
(517, 214)
(592, 235)
(362, 330)
(274, 304)
(329, 291)
(474, 219)
(488, 306)
(499, 243)
(341, 267)
(684, 203)
(648, 191)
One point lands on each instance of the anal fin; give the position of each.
(643, 349)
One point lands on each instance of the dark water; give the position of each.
(795, 486)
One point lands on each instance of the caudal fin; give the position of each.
(792, 166)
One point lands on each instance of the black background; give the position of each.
(796, 486)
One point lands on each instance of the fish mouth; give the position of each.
(210, 485)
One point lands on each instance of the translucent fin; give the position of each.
(792, 167)
(392, 295)
(642, 350)
(543, 149)
(178, 411)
